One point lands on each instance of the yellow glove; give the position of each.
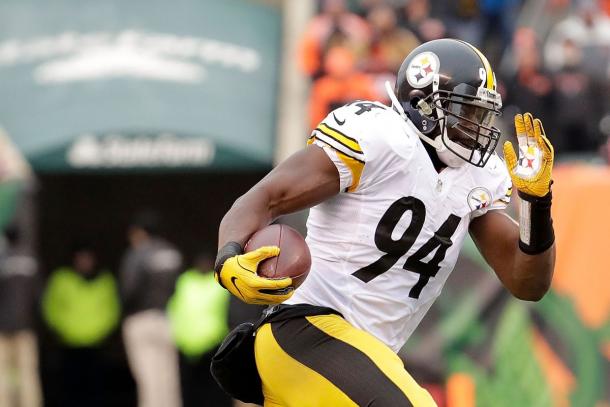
(238, 275)
(531, 174)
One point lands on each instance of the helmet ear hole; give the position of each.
(438, 85)
(415, 96)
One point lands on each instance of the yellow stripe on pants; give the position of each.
(287, 382)
(387, 361)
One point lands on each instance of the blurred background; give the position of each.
(127, 130)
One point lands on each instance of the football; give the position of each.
(294, 259)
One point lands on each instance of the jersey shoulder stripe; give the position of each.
(346, 148)
(355, 168)
(338, 141)
(344, 139)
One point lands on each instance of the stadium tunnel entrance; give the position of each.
(99, 207)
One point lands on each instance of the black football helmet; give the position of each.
(447, 89)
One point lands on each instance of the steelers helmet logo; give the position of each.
(422, 69)
(479, 198)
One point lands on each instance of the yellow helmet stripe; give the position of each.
(490, 73)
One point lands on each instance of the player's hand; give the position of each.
(531, 173)
(238, 275)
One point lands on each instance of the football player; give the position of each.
(393, 191)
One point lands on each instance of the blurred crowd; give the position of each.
(169, 320)
(551, 58)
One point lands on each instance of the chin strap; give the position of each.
(395, 103)
(444, 154)
(436, 143)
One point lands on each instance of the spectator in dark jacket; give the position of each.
(147, 279)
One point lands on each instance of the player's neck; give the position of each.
(436, 162)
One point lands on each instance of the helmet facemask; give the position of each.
(465, 122)
(451, 104)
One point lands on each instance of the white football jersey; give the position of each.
(383, 247)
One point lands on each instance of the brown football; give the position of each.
(294, 259)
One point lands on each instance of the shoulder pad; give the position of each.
(364, 130)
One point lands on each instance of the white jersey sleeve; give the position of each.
(383, 247)
(352, 139)
(347, 173)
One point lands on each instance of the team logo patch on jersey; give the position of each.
(422, 69)
(479, 198)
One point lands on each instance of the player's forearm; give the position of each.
(524, 267)
(535, 256)
(248, 214)
(530, 275)
(305, 179)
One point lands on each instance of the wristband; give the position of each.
(535, 223)
(227, 251)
